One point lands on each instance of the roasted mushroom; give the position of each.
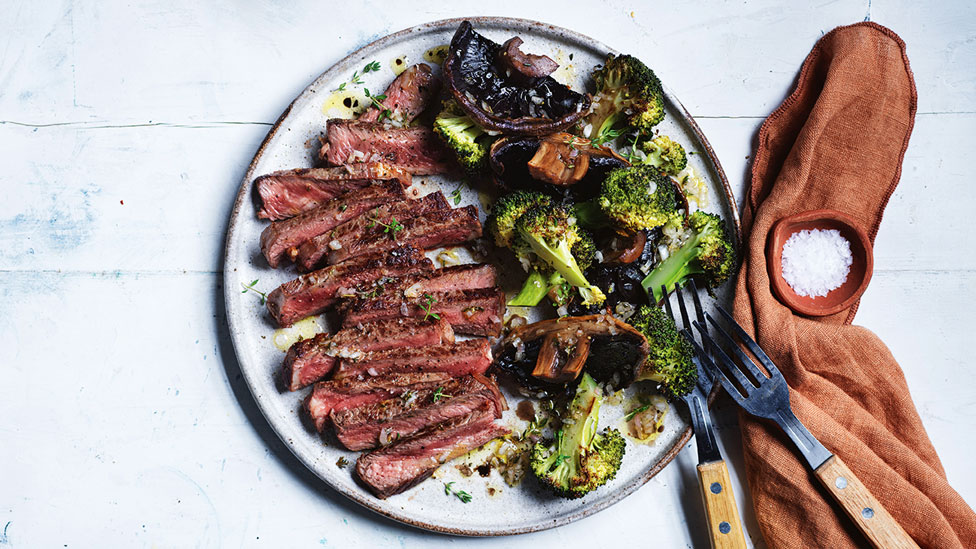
(547, 355)
(528, 67)
(510, 159)
(501, 101)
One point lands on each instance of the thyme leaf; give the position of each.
(456, 195)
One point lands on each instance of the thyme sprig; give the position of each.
(456, 195)
(460, 494)
(425, 306)
(439, 394)
(372, 66)
(377, 101)
(391, 228)
(250, 288)
(630, 415)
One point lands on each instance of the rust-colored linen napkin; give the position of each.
(837, 142)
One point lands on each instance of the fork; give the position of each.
(724, 526)
(768, 397)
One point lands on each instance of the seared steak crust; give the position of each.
(312, 293)
(474, 312)
(464, 357)
(342, 394)
(431, 230)
(415, 149)
(407, 462)
(408, 95)
(312, 359)
(381, 423)
(278, 237)
(287, 193)
(455, 277)
(312, 251)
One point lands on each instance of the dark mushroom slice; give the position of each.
(529, 68)
(500, 102)
(547, 355)
(509, 160)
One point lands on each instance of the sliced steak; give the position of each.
(456, 277)
(374, 426)
(407, 462)
(381, 423)
(312, 359)
(314, 292)
(342, 394)
(278, 237)
(415, 149)
(311, 252)
(462, 358)
(474, 312)
(431, 230)
(408, 95)
(288, 193)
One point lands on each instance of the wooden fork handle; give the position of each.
(866, 511)
(724, 526)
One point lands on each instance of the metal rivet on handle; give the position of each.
(867, 512)
(840, 483)
(716, 488)
(724, 527)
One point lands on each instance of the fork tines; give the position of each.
(705, 380)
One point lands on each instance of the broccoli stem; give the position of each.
(559, 258)
(533, 290)
(674, 270)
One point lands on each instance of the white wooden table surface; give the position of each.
(125, 129)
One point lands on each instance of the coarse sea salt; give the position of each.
(816, 262)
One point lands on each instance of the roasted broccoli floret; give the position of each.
(708, 254)
(580, 460)
(507, 210)
(629, 98)
(665, 154)
(639, 197)
(584, 250)
(669, 362)
(544, 277)
(551, 237)
(467, 140)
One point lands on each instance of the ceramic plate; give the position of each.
(291, 143)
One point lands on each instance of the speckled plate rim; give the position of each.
(243, 197)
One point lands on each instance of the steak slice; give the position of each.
(311, 252)
(464, 357)
(431, 230)
(288, 193)
(408, 95)
(342, 394)
(455, 277)
(289, 233)
(474, 312)
(312, 293)
(415, 149)
(312, 359)
(383, 422)
(407, 462)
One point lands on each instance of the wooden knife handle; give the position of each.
(724, 525)
(866, 511)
